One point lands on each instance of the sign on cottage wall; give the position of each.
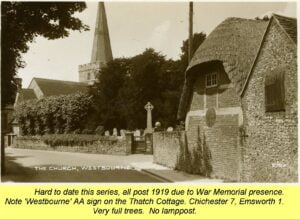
(210, 117)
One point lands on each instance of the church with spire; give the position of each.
(43, 87)
(100, 56)
(101, 51)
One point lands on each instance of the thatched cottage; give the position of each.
(240, 91)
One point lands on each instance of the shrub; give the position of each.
(87, 131)
(55, 114)
(184, 162)
(77, 131)
(197, 161)
(72, 139)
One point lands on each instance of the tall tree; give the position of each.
(106, 97)
(198, 39)
(126, 85)
(21, 22)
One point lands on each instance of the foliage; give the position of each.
(151, 78)
(198, 39)
(184, 158)
(197, 161)
(21, 22)
(106, 97)
(55, 140)
(127, 84)
(55, 114)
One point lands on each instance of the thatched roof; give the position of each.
(235, 42)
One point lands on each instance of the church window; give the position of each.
(211, 80)
(274, 91)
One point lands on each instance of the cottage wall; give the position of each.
(270, 142)
(221, 136)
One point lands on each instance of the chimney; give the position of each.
(18, 83)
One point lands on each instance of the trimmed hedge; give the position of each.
(55, 114)
(54, 140)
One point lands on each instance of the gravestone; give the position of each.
(106, 133)
(122, 132)
(115, 132)
(170, 129)
(137, 133)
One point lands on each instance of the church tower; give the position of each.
(101, 51)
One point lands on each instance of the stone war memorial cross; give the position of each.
(149, 107)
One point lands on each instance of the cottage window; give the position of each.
(274, 90)
(211, 80)
(89, 76)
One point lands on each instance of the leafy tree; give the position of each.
(140, 87)
(21, 22)
(198, 39)
(106, 98)
(126, 85)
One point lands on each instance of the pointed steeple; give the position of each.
(101, 46)
(101, 51)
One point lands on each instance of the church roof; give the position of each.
(26, 94)
(235, 42)
(50, 87)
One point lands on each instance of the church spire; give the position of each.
(101, 51)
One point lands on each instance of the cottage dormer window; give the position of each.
(211, 80)
(274, 91)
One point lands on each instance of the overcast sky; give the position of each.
(133, 27)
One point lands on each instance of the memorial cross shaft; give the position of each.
(149, 107)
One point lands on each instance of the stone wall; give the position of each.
(166, 147)
(108, 145)
(221, 137)
(222, 143)
(270, 146)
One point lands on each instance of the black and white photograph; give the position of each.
(149, 92)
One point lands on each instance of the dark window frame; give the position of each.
(211, 80)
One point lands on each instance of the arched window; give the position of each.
(274, 90)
